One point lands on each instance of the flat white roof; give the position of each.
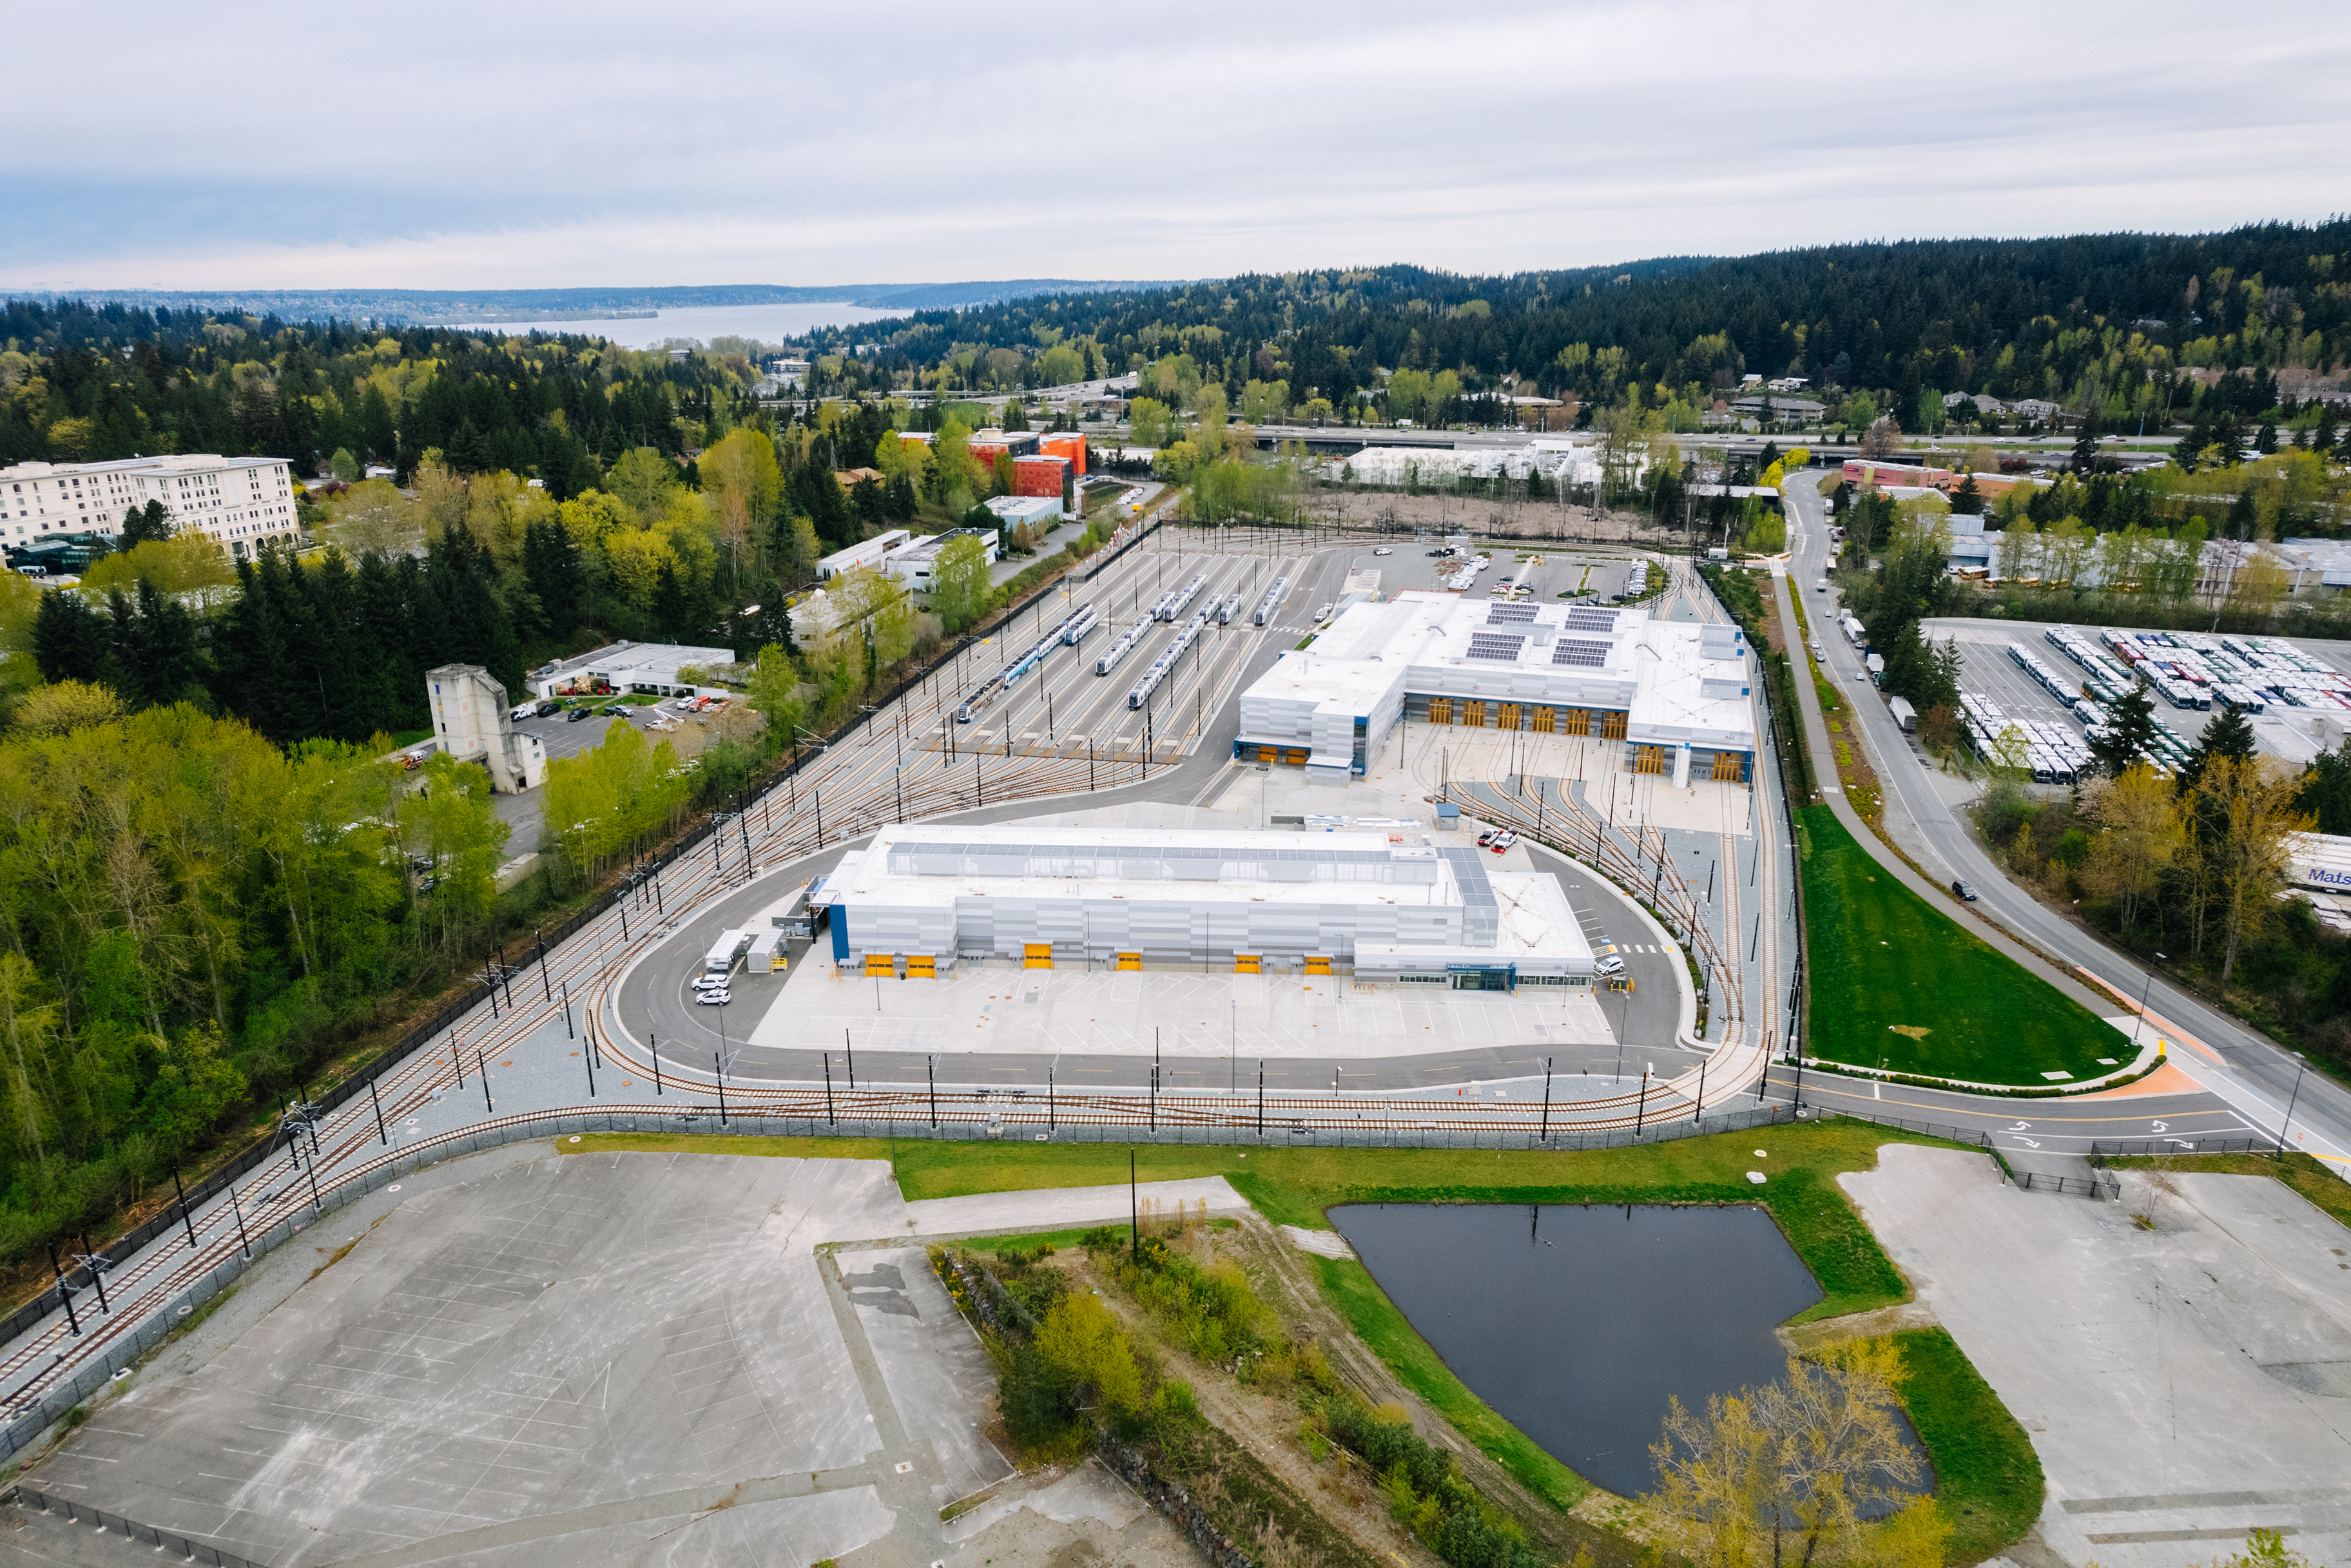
(1098, 856)
(1681, 682)
(648, 658)
(178, 463)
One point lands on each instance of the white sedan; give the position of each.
(717, 998)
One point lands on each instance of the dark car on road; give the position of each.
(1965, 890)
(576, 715)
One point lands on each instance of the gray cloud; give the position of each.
(441, 145)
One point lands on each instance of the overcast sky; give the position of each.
(442, 145)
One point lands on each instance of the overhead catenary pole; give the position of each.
(184, 1208)
(237, 1209)
(64, 1291)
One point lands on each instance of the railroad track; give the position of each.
(843, 804)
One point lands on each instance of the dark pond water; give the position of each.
(1577, 1323)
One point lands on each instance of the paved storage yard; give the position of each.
(2181, 1359)
(525, 1359)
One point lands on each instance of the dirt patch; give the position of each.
(1803, 1338)
(1547, 520)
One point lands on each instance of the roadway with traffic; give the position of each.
(2246, 1081)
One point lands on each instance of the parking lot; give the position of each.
(1988, 669)
(1571, 572)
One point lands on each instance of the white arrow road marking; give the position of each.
(2020, 1127)
(2028, 1143)
(2163, 1127)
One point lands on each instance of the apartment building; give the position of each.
(242, 502)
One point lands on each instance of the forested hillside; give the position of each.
(2069, 319)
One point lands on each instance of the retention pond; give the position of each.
(1578, 1324)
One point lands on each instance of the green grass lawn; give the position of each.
(1898, 983)
(1987, 1476)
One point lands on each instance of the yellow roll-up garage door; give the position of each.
(1130, 960)
(881, 963)
(922, 966)
(1317, 965)
(1037, 956)
(1247, 963)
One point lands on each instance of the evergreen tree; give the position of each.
(142, 524)
(2228, 733)
(2130, 731)
(70, 639)
(2190, 446)
(2243, 520)
(2326, 793)
(374, 428)
(2085, 444)
(671, 610)
(552, 568)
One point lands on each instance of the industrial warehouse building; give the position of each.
(1386, 906)
(1675, 695)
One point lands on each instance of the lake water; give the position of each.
(1578, 1323)
(767, 323)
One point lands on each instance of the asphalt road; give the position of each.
(2247, 1071)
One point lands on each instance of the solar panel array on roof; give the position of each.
(1509, 614)
(1582, 654)
(1496, 646)
(1589, 618)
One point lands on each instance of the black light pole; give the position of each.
(1641, 1105)
(721, 1068)
(932, 1067)
(542, 963)
(828, 1090)
(567, 1032)
(1546, 1115)
(482, 1062)
(184, 1208)
(65, 1293)
(318, 1204)
(1050, 1123)
(2302, 1065)
(588, 1057)
(1260, 1093)
(384, 1137)
(2146, 991)
(657, 1082)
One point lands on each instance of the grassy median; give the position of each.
(1901, 984)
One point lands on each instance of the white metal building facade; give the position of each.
(1385, 905)
(1675, 693)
